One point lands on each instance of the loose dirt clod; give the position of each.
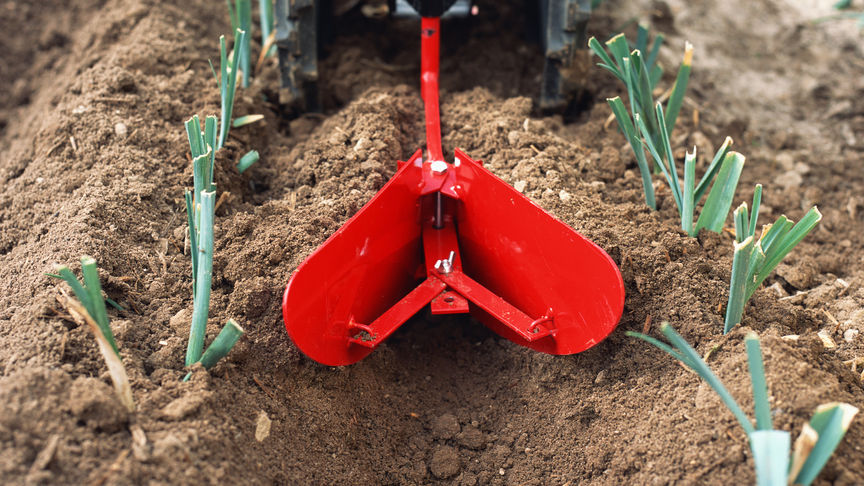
(445, 462)
(94, 403)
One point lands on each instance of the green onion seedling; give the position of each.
(753, 260)
(90, 295)
(90, 309)
(228, 82)
(721, 176)
(640, 77)
(241, 19)
(771, 448)
(265, 8)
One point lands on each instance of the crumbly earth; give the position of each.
(93, 160)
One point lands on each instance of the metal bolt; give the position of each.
(445, 266)
(438, 167)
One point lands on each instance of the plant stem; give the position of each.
(201, 305)
(738, 284)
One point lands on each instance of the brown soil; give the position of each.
(93, 159)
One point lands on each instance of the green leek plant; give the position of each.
(201, 201)
(771, 448)
(91, 309)
(241, 19)
(200, 210)
(640, 76)
(265, 8)
(227, 81)
(721, 176)
(90, 295)
(753, 260)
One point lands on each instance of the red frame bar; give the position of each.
(430, 48)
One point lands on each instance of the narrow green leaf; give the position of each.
(761, 406)
(219, 348)
(738, 284)
(193, 237)
(667, 146)
(224, 112)
(626, 126)
(788, 242)
(215, 76)
(689, 188)
(598, 49)
(228, 84)
(677, 97)
(658, 160)
(619, 48)
(663, 347)
(742, 223)
(613, 71)
(210, 134)
(772, 233)
(193, 133)
(651, 60)
(247, 160)
(756, 261)
(244, 19)
(644, 96)
(202, 177)
(75, 285)
(754, 215)
(656, 72)
(94, 290)
(630, 84)
(265, 7)
(830, 422)
(702, 369)
(771, 456)
(246, 120)
(641, 38)
(232, 15)
(713, 167)
(722, 192)
(114, 304)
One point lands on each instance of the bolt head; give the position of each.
(438, 167)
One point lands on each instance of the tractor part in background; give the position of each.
(297, 26)
(459, 239)
(299, 38)
(563, 37)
